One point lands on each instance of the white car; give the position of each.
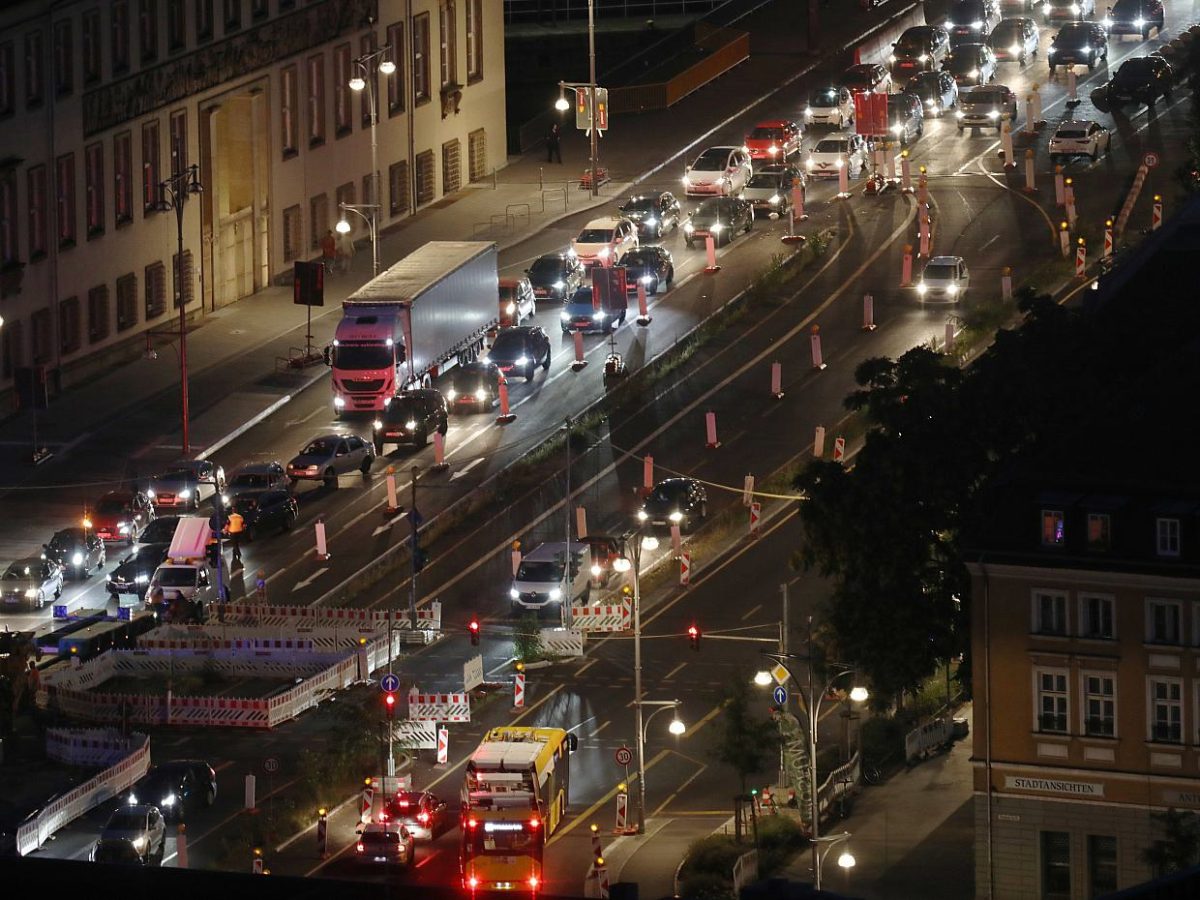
(830, 106)
(944, 278)
(1079, 139)
(141, 825)
(604, 241)
(718, 171)
(833, 152)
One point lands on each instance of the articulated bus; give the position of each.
(514, 797)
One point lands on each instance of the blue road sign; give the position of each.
(780, 695)
(390, 682)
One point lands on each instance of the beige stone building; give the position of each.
(103, 100)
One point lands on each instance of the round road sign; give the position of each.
(1150, 160)
(624, 756)
(780, 694)
(270, 765)
(390, 682)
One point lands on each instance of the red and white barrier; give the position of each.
(1006, 145)
(1108, 238)
(923, 234)
(777, 380)
(1135, 190)
(622, 823)
(393, 503)
(906, 184)
(906, 267)
(1030, 173)
(819, 442)
(755, 518)
(454, 706)
(322, 549)
(1156, 213)
(506, 414)
(443, 746)
(366, 803)
(599, 617)
(868, 313)
(685, 568)
(798, 202)
(843, 179)
(814, 341)
(710, 428)
(1064, 239)
(439, 451)
(1029, 120)
(839, 449)
(1081, 259)
(519, 690)
(647, 473)
(643, 306)
(579, 362)
(1006, 284)
(1060, 186)
(923, 188)
(516, 557)
(710, 254)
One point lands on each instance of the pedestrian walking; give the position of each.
(553, 138)
(235, 525)
(345, 251)
(329, 250)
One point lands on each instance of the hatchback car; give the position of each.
(143, 826)
(604, 241)
(78, 550)
(980, 13)
(517, 301)
(972, 64)
(328, 456)
(832, 153)
(720, 217)
(1079, 139)
(830, 106)
(944, 278)
(273, 509)
(866, 77)
(650, 265)
(425, 815)
(720, 171)
(775, 139)
(653, 213)
(473, 386)
(675, 501)
(385, 843)
(555, 276)
(938, 92)
(122, 515)
(582, 313)
(132, 575)
(1015, 40)
(119, 851)
(31, 582)
(1135, 17)
(1142, 79)
(968, 34)
(920, 48)
(186, 483)
(255, 476)
(1067, 10)
(986, 106)
(906, 117)
(1078, 44)
(176, 788)
(520, 350)
(769, 193)
(410, 418)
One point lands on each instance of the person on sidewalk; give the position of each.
(345, 251)
(329, 250)
(235, 525)
(553, 138)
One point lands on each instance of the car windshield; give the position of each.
(857, 78)
(1007, 31)
(69, 539)
(110, 507)
(833, 145)
(402, 408)
(715, 208)
(1135, 69)
(899, 108)
(540, 571)
(965, 57)
(546, 266)
(176, 576)
(320, 447)
(912, 44)
(1062, 4)
(595, 236)
(251, 480)
(381, 838)
(20, 571)
(764, 180)
(826, 96)
(160, 531)
(508, 342)
(127, 820)
(362, 356)
(148, 555)
(712, 160)
(470, 377)
(766, 134)
(985, 95)
(941, 272)
(971, 11)
(639, 204)
(1126, 9)
(1072, 134)
(500, 843)
(1071, 36)
(666, 493)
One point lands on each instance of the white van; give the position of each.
(539, 581)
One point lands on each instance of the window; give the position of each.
(179, 154)
(316, 100)
(151, 174)
(341, 90)
(176, 26)
(64, 58)
(156, 290)
(233, 15)
(1168, 537)
(38, 212)
(474, 40)
(1163, 621)
(293, 233)
(65, 167)
(451, 166)
(290, 136)
(1099, 531)
(9, 243)
(69, 325)
(425, 167)
(1166, 710)
(420, 62)
(1096, 617)
(1099, 705)
(1102, 864)
(93, 162)
(119, 27)
(398, 188)
(204, 20)
(369, 190)
(477, 154)
(1052, 700)
(34, 77)
(41, 333)
(448, 42)
(1052, 527)
(148, 31)
(182, 279)
(127, 311)
(395, 81)
(98, 327)
(1056, 865)
(90, 38)
(318, 220)
(259, 9)
(1049, 613)
(366, 45)
(8, 79)
(123, 177)
(11, 348)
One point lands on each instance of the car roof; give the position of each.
(678, 482)
(332, 436)
(605, 222)
(549, 551)
(1076, 123)
(514, 281)
(75, 533)
(257, 467)
(773, 123)
(117, 495)
(419, 394)
(480, 366)
(944, 260)
(27, 561)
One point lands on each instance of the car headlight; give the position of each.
(133, 800)
(31, 594)
(840, 163)
(720, 182)
(651, 222)
(596, 570)
(565, 316)
(603, 254)
(1046, 7)
(808, 164)
(688, 227)
(338, 402)
(185, 494)
(377, 424)
(745, 148)
(974, 73)
(77, 559)
(141, 579)
(480, 394)
(642, 515)
(773, 150)
(896, 129)
(150, 493)
(976, 25)
(514, 593)
(646, 279)
(892, 58)
(1075, 9)
(598, 316)
(960, 115)
(168, 800)
(510, 309)
(921, 287)
(451, 394)
(716, 229)
(522, 360)
(312, 470)
(687, 182)
(139, 843)
(808, 113)
(1139, 23)
(924, 58)
(1015, 49)
(952, 290)
(411, 425)
(1054, 50)
(676, 516)
(1107, 23)
(123, 527)
(556, 593)
(559, 285)
(993, 115)
(1090, 51)
(931, 103)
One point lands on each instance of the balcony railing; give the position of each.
(1053, 722)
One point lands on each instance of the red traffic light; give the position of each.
(389, 700)
(694, 636)
(473, 627)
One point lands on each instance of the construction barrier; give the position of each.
(563, 641)
(451, 707)
(603, 617)
(416, 734)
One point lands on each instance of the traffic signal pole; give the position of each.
(412, 518)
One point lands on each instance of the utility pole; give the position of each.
(412, 518)
(565, 608)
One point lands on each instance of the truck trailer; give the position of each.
(426, 314)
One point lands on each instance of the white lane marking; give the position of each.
(467, 468)
(311, 578)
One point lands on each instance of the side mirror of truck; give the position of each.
(327, 355)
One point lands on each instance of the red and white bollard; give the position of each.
(1156, 213)
(597, 847)
(516, 557)
(798, 202)
(1030, 174)
(322, 549)
(868, 313)
(1069, 202)
(923, 234)
(643, 306)
(923, 188)
(755, 518)
(439, 452)
(647, 473)
(685, 568)
(906, 267)
(366, 802)
(777, 380)
(1006, 145)
(1064, 239)
(518, 690)
(1072, 88)
(1081, 259)
(710, 429)
(256, 867)
(181, 847)
(322, 833)
(819, 442)
(676, 540)
(814, 341)
(1035, 100)
(622, 822)
(1006, 284)
(747, 490)
(839, 449)
(1108, 238)
(710, 251)
(843, 178)
(393, 502)
(906, 185)
(506, 414)
(1060, 187)
(949, 340)
(579, 362)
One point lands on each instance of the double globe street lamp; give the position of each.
(365, 67)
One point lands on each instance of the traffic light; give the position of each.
(694, 637)
(473, 627)
(389, 703)
(419, 559)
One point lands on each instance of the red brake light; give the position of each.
(404, 803)
(533, 881)
(535, 822)
(472, 823)
(423, 817)
(359, 847)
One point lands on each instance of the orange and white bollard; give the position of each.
(1006, 145)
(393, 502)
(439, 452)
(643, 306)
(1060, 187)
(798, 202)
(579, 362)
(1035, 98)
(322, 548)
(1029, 126)
(747, 490)
(906, 185)
(1030, 174)
(710, 428)
(1006, 284)
(906, 267)
(1069, 202)
(685, 568)
(819, 442)
(814, 341)
(923, 188)
(256, 867)
(1108, 238)
(181, 847)
(710, 250)
(777, 380)
(843, 178)
(1081, 259)
(647, 473)
(506, 414)
(1156, 213)
(923, 233)
(516, 557)
(891, 166)
(868, 313)
(1064, 238)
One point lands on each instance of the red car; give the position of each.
(774, 140)
(122, 515)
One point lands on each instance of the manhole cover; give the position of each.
(237, 331)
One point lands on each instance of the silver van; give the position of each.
(539, 583)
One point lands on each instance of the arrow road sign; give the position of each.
(780, 695)
(390, 682)
(270, 765)
(624, 756)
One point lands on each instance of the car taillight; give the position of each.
(533, 882)
(472, 882)
(383, 815)
(472, 823)
(423, 818)
(535, 822)
(359, 847)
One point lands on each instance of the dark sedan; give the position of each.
(555, 275)
(718, 217)
(675, 501)
(650, 265)
(972, 64)
(132, 576)
(78, 550)
(273, 509)
(520, 350)
(177, 788)
(473, 386)
(1078, 44)
(411, 418)
(938, 92)
(653, 213)
(1143, 79)
(160, 531)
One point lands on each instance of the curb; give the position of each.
(256, 419)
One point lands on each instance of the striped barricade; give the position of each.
(88, 746)
(452, 707)
(563, 641)
(416, 734)
(602, 617)
(221, 712)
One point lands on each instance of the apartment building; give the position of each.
(102, 101)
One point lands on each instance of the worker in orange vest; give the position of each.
(235, 525)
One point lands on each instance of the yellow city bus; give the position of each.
(514, 797)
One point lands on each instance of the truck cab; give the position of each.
(367, 350)
(186, 574)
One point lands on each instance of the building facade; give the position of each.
(1086, 642)
(101, 102)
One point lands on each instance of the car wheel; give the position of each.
(58, 590)
(749, 224)
(330, 479)
(670, 275)
(378, 447)
(420, 439)
(529, 373)
(1052, 70)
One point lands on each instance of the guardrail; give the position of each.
(727, 49)
(837, 785)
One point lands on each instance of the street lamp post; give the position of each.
(369, 216)
(174, 192)
(365, 67)
(562, 106)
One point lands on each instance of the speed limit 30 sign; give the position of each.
(623, 756)
(1150, 160)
